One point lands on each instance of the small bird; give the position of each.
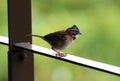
(60, 40)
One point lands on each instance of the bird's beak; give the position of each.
(80, 33)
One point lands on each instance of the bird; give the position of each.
(61, 40)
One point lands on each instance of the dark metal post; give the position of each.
(20, 62)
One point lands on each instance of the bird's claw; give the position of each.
(60, 54)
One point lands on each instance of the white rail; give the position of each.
(69, 58)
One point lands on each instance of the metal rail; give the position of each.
(69, 58)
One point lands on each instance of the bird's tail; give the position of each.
(36, 36)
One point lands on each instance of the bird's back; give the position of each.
(57, 39)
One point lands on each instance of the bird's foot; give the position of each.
(60, 54)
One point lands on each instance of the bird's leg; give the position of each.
(59, 54)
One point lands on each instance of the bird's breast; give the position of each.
(66, 43)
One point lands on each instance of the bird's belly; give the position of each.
(65, 45)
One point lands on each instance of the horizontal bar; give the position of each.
(4, 40)
(69, 58)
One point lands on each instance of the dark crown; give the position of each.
(74, 29)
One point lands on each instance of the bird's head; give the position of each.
(74, 31)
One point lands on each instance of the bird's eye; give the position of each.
(75, 32)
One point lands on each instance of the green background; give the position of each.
(99, 22)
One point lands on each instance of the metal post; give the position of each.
(20, 61)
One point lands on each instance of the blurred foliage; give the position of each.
(98, 20)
